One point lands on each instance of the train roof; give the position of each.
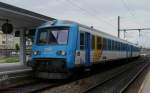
(104, 34)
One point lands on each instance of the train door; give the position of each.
(80, 52)
(126, 50)
(97, 47)
(131, 47)
(83, 52)
(95, 50)
(87, 48)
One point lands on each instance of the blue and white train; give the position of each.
(61, 46)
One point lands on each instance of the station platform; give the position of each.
(5, 67)
(145, 86)
(12, 74)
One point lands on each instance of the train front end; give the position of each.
(53, 50)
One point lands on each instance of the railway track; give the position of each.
(30, 87)
(14, 77)
(120, 82)
(114, 80)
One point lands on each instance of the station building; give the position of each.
(8, 41)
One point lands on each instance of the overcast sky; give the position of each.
(102, 14)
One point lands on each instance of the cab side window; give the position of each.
(93, 42)
(81, 41)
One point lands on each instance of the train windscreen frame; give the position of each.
(53, 36)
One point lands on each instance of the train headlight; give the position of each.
(35, 52)
(61, 52)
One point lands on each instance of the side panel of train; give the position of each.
(93, 47)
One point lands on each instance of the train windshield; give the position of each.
(57, 35)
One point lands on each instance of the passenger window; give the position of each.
(122, 46)
(113, 44)
(109, 44)
(119, 46)
(104, 43)
(116, 45)
(99, 43)
(81, 41)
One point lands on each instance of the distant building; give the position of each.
(8, 41)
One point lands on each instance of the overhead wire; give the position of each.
(93, 9)
(130, 11)
(82, 12)
(89, 13)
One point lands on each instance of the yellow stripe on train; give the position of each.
(97, 52)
